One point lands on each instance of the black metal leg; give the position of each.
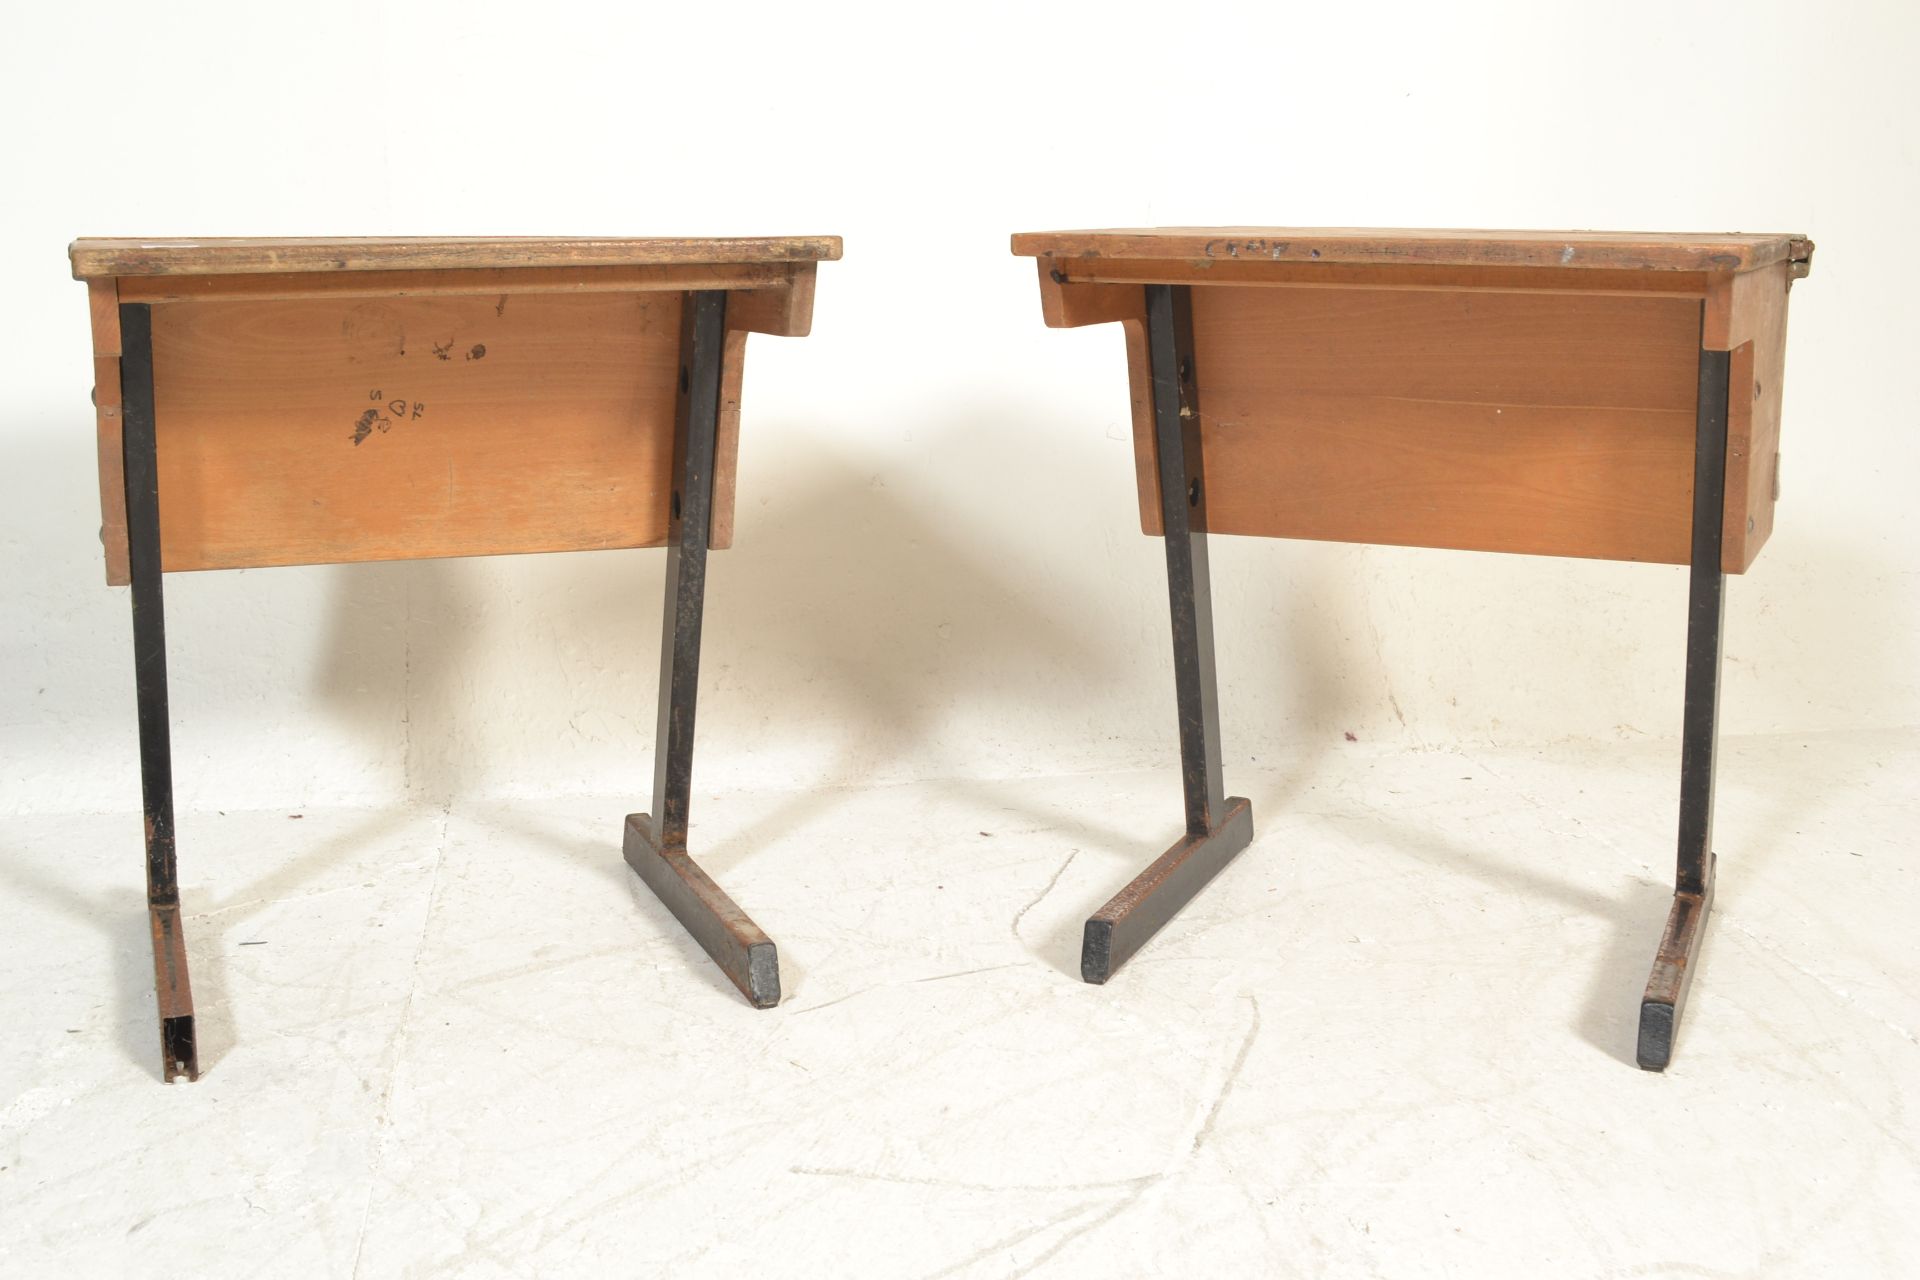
(656, 845)
(139, 460)
(1679, 953)
(1218, 826)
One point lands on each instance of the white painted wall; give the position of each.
(938, 571)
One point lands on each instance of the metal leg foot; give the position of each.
(656, 844)
(744, 953)
(1155, 896)
(1673, 968)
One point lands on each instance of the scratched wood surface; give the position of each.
(656, 277)
(323, 430)
(1618, 250)
(150, 256)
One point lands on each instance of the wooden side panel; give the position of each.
(784, 309)
(1068, 305)
(342, 429)
(103, 306)
(1747, 315)
(1146, 471)
(1519, 422)
(726, 442)
(113, 485)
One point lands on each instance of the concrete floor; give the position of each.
(1394, 1039)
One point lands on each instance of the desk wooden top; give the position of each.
(95, 258)
(1355, 246)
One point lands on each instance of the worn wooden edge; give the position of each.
(1603, 250)
(235, 560)
(137, 256)
(784, 309)
(285, 286)
(725, 932)
(1095, 273)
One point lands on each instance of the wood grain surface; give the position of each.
(326, 430)
(242, 429)
(164, 256)
(1506, 422)
(1617, 250)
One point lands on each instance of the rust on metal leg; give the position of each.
(1156, 895)
(1673, 968)
(1218, 825)
(179, 1055)
(744, 953)
(656, 843)
(1706, 609)
(179, 1058)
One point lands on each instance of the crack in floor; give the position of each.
(1774, 950)
(385, 1119)
(1020, 915)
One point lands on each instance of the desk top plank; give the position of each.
(1613, 250)
(95, 258)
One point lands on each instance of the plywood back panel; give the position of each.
(340, 429)
(1543, 423)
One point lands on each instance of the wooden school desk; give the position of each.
(1601, 394)
(279, 402)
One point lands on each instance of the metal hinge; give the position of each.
(1799, 258)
